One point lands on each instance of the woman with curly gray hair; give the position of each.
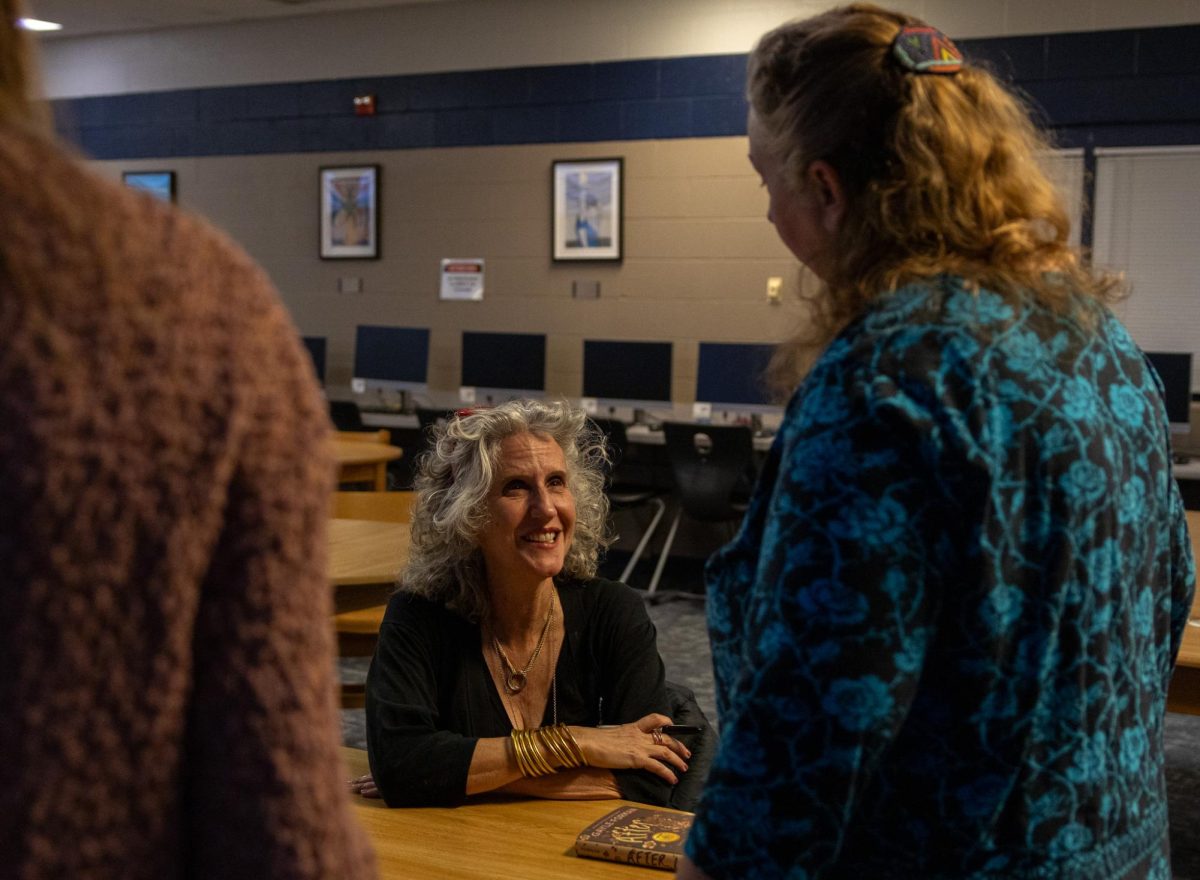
(504, 663)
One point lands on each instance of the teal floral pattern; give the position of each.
(943, 636)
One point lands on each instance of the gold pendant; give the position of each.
(515, 682)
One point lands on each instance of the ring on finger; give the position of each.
(657, 735)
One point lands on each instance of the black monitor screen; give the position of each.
(1175, 370)
(732, 373)
(515, 361)
(391, 354)
(622, 370)
(316, 349)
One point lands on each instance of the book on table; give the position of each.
(637, 836)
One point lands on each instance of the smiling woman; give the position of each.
(531, 512)
(504, 663)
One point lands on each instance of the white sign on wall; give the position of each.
(462, 279)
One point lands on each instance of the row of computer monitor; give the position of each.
(501, 365)
(623, 371)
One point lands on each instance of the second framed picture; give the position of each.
(588, 221)
(350, 213)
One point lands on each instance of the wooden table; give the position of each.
(490, 839)
(366, 552)
(363, 462)
(364, 558)
(1184, 695)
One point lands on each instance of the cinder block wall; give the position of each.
(466, 159)
(698, 249)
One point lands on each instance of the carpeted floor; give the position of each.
(683, 642)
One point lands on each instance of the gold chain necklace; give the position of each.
(515, 679)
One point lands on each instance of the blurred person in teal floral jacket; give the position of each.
(943, 636)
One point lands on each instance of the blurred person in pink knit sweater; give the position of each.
(167, 706)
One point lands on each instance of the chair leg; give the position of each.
(666, 550)
(637, 553)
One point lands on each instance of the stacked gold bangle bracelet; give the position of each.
(532, 747)
(561, 742)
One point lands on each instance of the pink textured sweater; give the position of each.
(167, 706)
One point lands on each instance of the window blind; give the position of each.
(1147, 225)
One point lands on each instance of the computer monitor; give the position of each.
(730, 377)
(392, 358)
(316, 350)
(627, 373)
(1175, 370)
(503, 366)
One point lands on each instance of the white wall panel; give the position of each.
(1148, 226)
(1065, 168)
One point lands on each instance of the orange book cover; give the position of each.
(637, 836)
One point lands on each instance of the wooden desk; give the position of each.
(366, 552)
(1189, 470)
(364, 558)
(642, 434)
(399, 421)
(492, 839)
(1184, 695)
(361, 462)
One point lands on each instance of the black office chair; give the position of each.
(429, 417)
(713, 466)
(345, 415)
(626, 494)
(703, 746)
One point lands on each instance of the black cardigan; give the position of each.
(430, 696)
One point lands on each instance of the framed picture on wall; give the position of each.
(350, 213)
(160, 184)
(588, 221)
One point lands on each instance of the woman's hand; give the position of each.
(365, 786)
(640, 745)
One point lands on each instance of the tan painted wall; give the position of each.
(698, 249)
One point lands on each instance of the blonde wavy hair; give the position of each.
(941, 173)
(454, 477)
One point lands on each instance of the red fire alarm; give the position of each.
(364, 105)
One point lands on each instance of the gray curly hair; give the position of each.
(452, 484)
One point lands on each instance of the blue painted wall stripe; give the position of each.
(1105, 88)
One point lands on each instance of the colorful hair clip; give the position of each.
(926, 50)
(463, 413)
